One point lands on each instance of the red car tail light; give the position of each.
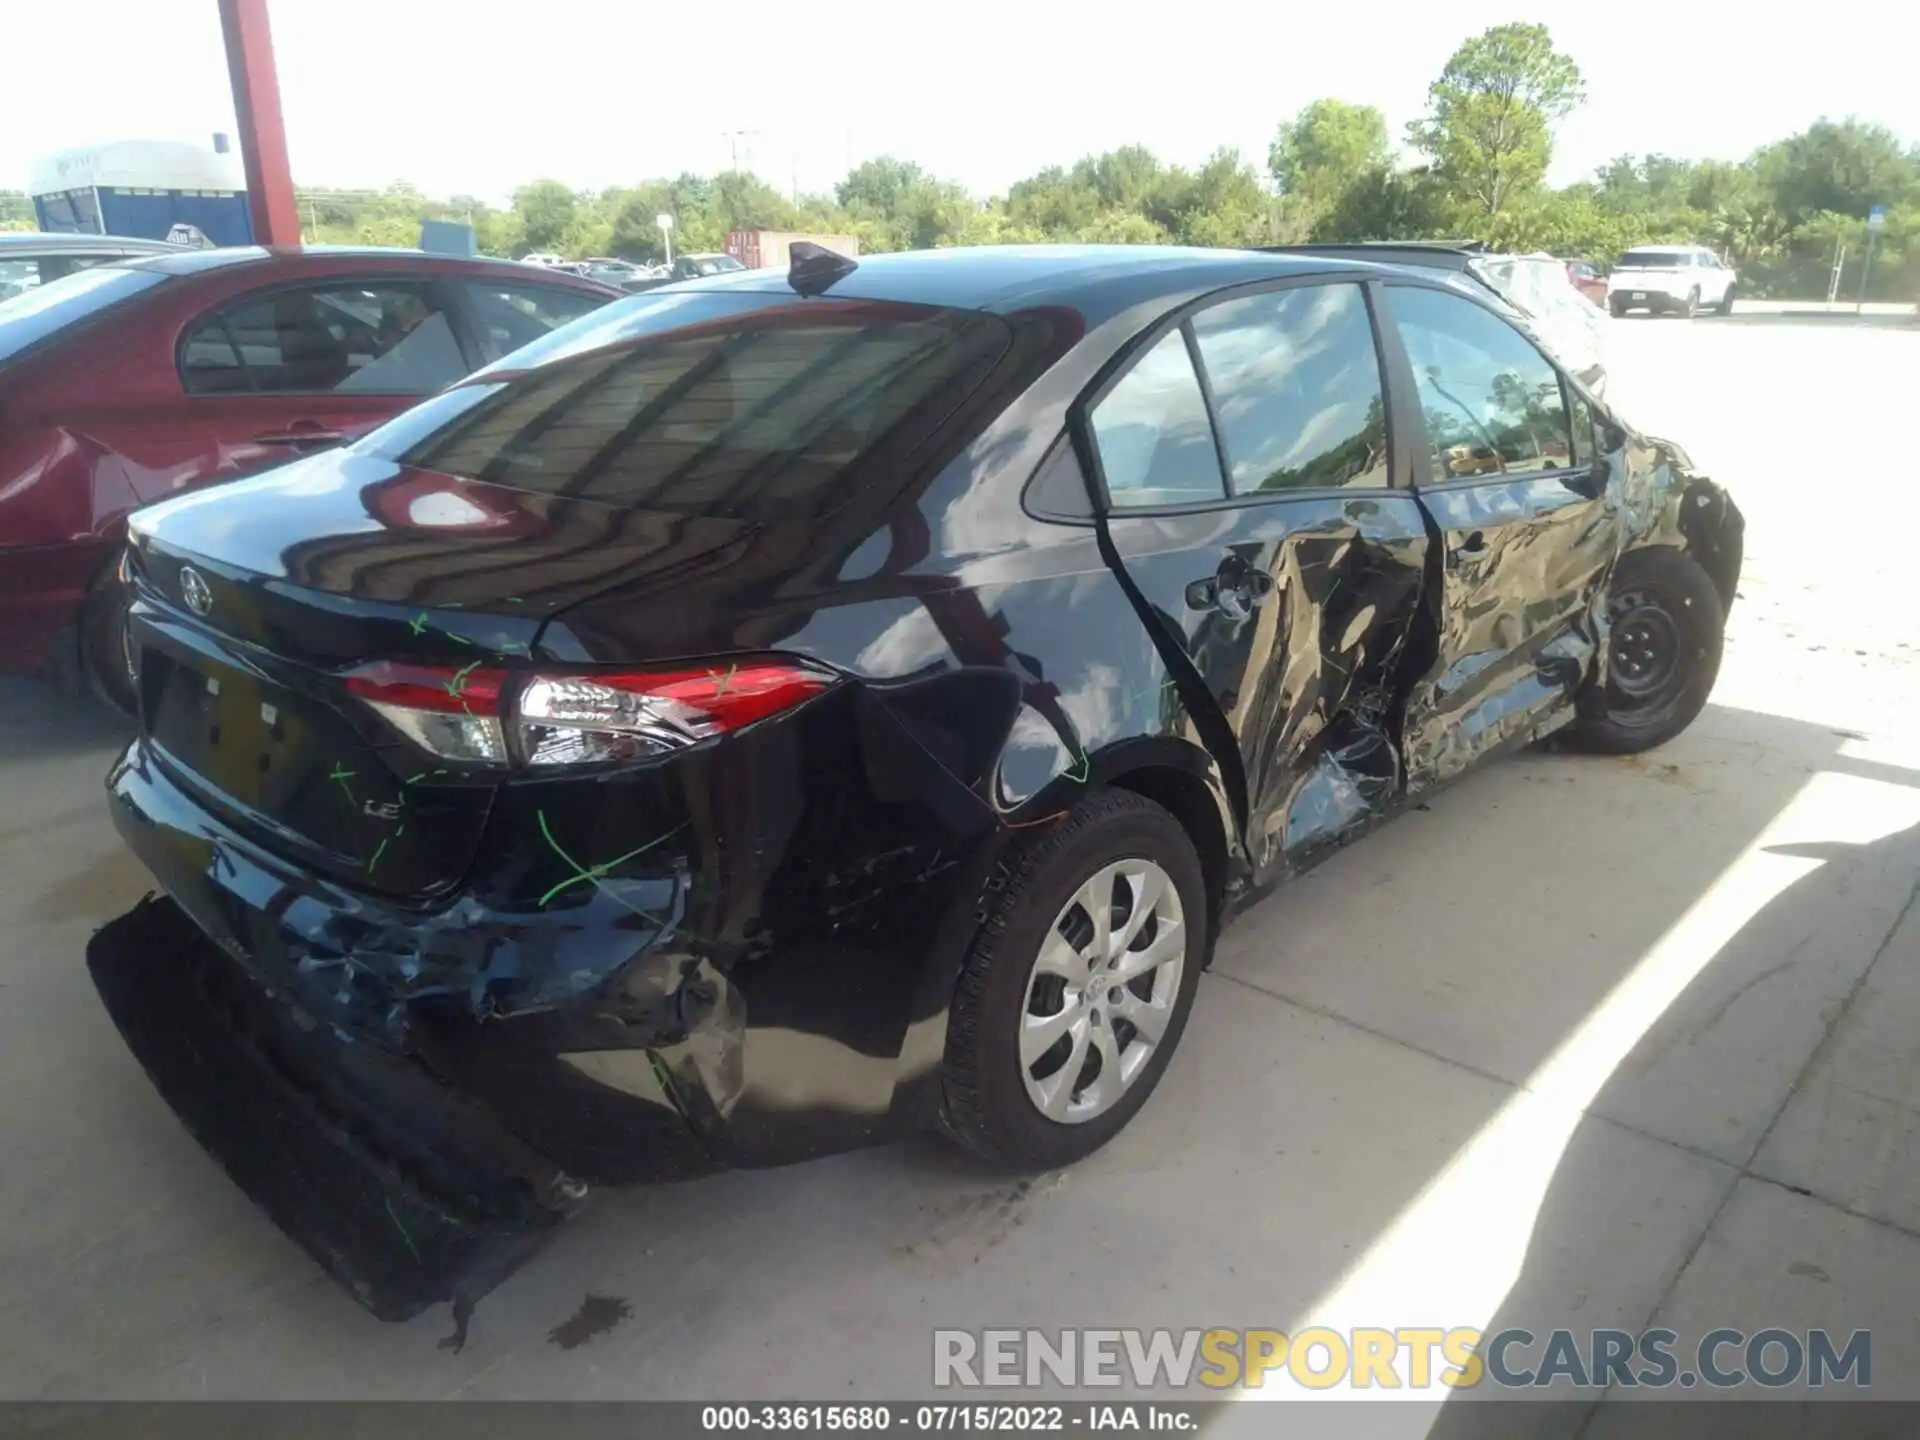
(595, 719)
(455, 714)
(559, 719)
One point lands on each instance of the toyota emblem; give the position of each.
(193, 590)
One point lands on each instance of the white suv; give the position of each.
(1681, 278)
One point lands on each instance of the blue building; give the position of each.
(145, 188)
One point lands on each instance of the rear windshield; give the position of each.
(748, 406)
(32, 316)
(1650, 260)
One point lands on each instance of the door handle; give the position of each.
(298, 434)
(1474, 545)
(1235, 590)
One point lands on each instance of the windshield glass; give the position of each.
(1649, 260)
(753, 407)
(35, 314)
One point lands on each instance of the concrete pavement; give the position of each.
(1589, 1042)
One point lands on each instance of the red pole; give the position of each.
(263, 135)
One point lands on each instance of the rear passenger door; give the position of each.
(282, 372)
(1528, 532)
(1247, 479)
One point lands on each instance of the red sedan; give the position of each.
(132, 380)
(1588, 279)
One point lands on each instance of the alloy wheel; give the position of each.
(1102, 990)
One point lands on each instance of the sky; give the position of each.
(478, 96)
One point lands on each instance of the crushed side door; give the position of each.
(1526, 527)
(1285, 598)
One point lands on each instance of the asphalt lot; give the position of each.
(1590, 1042)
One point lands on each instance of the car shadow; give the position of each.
(1362, 1031)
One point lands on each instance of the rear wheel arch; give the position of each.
(1186, 797)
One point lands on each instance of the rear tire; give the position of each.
(1616, 309)
(1692, 307)
(1051, 1010)
(103, 644)
(1664, 648)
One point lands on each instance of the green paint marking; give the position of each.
(378, 851)
(1083, 765)
(458, 639)
(402, 1229)
(419, 623)
(515, 600)
(415, 779)
(458, 684)
(595, 875)
(724, 680)
(342, 774)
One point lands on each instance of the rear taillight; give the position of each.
(453, 713)
(554, 719)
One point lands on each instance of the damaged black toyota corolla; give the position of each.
(787, 710)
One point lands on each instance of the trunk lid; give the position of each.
(253, 601)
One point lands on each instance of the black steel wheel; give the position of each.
(1665, 631)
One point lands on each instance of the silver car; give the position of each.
(30, 260)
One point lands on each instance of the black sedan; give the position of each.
(783, 711)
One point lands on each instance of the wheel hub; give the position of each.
(1102, 990)
(1645, 648)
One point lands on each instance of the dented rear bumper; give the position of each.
(401, 1190)
(765, 982)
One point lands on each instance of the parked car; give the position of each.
(686, 267)
(610, 271)
(1671, 279)
(140, 377)
(1589, 279)
(542, 257)
(33, 258)
(1534, 289)
(801, 708)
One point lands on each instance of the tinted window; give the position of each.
(1156, 445)
(1585, 449)
(1492, 402)
(1296, 386)
(37, 313)
(1652, 260)
(509, 315)
(18, 276)
(378, 339)
(778, 411)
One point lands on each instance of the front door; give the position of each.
(1248, 504)
(1528, 533)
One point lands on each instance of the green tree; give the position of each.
(1385, 203)
(547, 211)
(1488, 128)
(16, 211)
(1842, 167)
(1224, 204)
(1322, 152)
